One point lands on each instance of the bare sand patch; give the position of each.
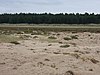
(40, 55)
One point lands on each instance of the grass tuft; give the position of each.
(74, 37)
(52, 37)
(15, 42)
(65, 46)
(67, 38)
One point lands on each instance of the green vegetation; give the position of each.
(49, 18)
(60, 28)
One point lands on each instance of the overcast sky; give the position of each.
(53, 6)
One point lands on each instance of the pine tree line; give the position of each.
(49, 18)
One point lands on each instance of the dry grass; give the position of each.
(75, 55)
(94, 61)
(74, 37)
(51, 27)
(8, 38)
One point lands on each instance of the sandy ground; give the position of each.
(40, 56)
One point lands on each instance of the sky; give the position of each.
(49, 6)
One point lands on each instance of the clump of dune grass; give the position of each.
(71, 37)
(15, 42)
(74, 44)
(74, 37)
(37, 33)
(60, 42)
(47, 59)
(35, 37)
(65, 46)
(69, 73)
(94, 61)
(9, 38)
(67, 38)
(90, 69)
(50, 45)
(77, 51)
(56, 52)
(66, 53)
(25, 37)
(52, 37)
(75, 55)
(53, 65)
(20, 32)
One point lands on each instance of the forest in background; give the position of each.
(49, 18)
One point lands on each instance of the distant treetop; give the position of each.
(49, 18)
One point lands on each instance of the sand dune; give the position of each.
(43, 56)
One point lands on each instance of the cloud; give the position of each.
(36, 2)
(54, 6)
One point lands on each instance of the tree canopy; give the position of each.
(49, 18)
